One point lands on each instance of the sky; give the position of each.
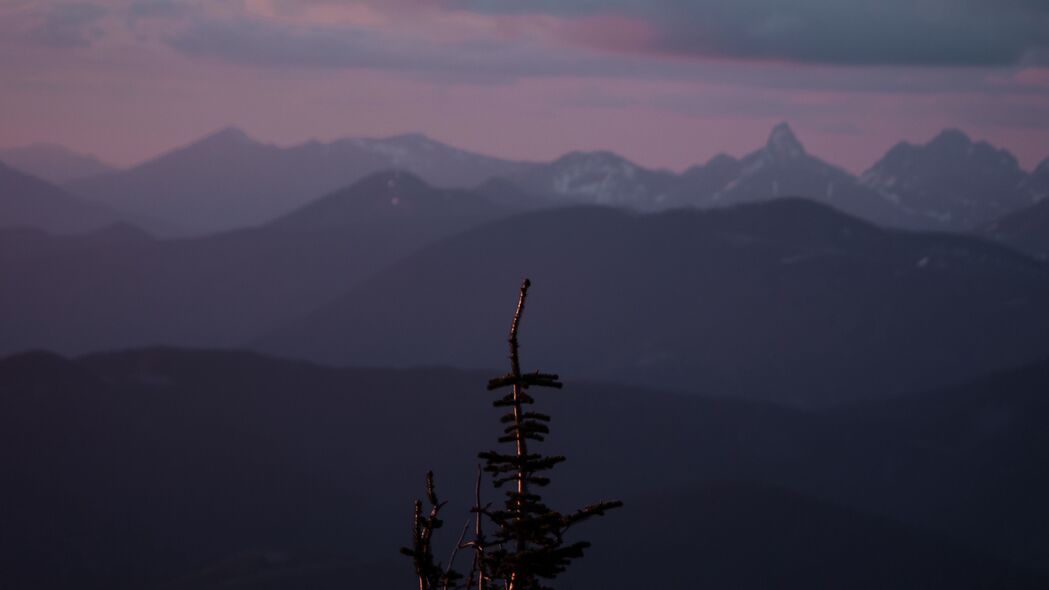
(666, 83)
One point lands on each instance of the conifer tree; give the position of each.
(528, 547)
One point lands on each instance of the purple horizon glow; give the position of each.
(666, 83)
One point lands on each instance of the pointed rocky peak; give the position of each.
(783, 143)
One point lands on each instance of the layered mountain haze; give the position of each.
(785, 300)
(121, 288)
(29, 202)
(748, 282)
(388, 197)
(345, 294)
(229, 180)
(54, 163)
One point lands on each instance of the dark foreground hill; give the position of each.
(179, 469)
(786, 300)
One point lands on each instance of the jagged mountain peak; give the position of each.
(951, 181)
(783, 143)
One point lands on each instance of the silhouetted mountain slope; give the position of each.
(128, 469)
(784, 300)
(27, 201)
(1026, 230)
(436, 163)
(229, 180)
(392, 196)
(699, 184)
(752, 536)
(968, 454)
(951, 182)
(1036, 185)
(119, 288)
(53, 163)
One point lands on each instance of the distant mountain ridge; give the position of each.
(228, 180)
(950, 183)
(30, 202)
(783, 168)
(120, 287)
(390, 195)
(54, 163)
(784, 300)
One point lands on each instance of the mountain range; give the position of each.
(228, 180)
(29, 202)
(121, 287)
(793, 376)
(784, 300)
(54, 163)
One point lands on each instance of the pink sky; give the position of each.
(126, 80)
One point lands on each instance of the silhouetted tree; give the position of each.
(528, 545)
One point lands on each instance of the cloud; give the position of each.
(68, 25)
(885, 32)
(482, 53)
(889, 32)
